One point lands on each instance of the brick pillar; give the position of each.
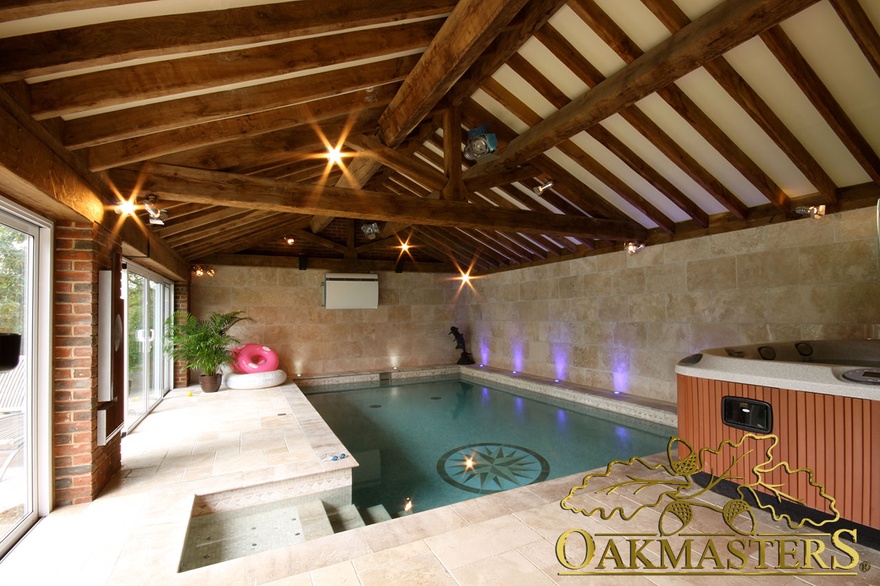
(82, 468)
(181, 303)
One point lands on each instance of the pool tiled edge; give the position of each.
(637, 407)
(653, 411)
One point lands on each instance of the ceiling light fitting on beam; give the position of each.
(370, 230)
(814, 212)
(157, 216)
(543, 185)
(479, 143)
(203, 271)
(125, 208)
(632, 248)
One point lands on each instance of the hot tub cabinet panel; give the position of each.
(835, 436)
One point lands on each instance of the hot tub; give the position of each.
(820, 397)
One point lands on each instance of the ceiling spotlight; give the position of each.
(203, 271)
(289, 240)
(814, 212)
(479, 143)
(370, 230)
(632, 247)
(157, 216)
(334, 155)
(125, 207)
(542, 186)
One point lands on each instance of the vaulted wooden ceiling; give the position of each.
(653, 119)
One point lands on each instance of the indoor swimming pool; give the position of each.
(423, 445)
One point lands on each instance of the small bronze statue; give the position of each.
(465, 358)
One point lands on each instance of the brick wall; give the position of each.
(181, 303)
(82, 468)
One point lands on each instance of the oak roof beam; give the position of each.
(166, 79)
(215, 188)
(422, 172)
(467, 32)
(706, 38)
(860, 27)
(102, 44)
(570, 149)
(748, 99)
(132, 122)
(564, 51)
(141, 148)
(817, 92)
(612, 34)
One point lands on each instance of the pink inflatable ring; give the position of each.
(252, 358)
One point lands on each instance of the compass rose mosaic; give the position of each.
(490, 467)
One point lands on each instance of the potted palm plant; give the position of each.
(202, 344)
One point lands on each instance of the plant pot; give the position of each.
(210, 383)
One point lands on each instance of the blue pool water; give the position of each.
(439, 442)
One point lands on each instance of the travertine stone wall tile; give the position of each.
(771, 268)
(715, 273)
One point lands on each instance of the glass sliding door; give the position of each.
(148, 304)
(23, 249)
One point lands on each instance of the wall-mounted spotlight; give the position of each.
(203, 271)
(289, 240)
(157, 216)
(370, 230)
(542, 186)
(633, 247)
(479, 143)
(814, 212)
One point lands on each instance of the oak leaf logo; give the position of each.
(669, 484)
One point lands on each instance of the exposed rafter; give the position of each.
(710, 36)
(209, 187)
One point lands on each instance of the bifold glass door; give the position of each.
(148, 304)
(22, 249)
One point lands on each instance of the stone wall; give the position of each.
(409, 329)
(620, 322)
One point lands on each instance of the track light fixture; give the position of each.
(370, 230)
(814, 212)
(633, 247)
(542, 186)
(151, 205)
(203, 271)
(479, 143)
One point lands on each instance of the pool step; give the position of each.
(314, 519)
(375, 514)
(345, 518)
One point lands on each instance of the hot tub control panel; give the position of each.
(866, 376)
(747, 414)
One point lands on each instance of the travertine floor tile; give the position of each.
(413, 563)
(483, 540)
(511, 567)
